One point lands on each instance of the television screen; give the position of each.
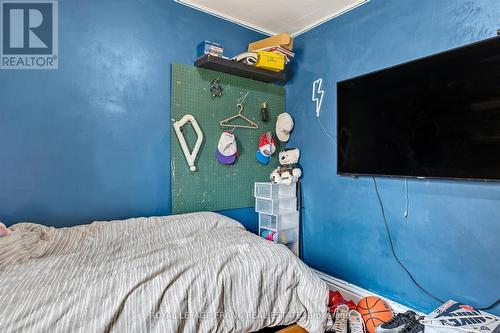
(436, 117)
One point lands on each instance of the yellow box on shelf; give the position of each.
(271, 60)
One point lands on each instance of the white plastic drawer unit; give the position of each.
(289, 220)
(275, 207)
(268, 221)
(274, 191)
(287, 236)
(275, 222)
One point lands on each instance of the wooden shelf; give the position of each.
(239, 69)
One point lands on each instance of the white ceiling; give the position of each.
(275, 16)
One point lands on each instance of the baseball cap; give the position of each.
(284, 126)
(261, 158)
(227, 150)
(267, 144)
(267, 147)
(227, 144)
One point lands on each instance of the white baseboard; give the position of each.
(355, 293)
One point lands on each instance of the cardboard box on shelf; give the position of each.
(283, 40)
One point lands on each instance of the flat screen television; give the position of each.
(436, 117)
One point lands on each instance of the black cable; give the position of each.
(392, 245)
(299, 208)
(399, 261)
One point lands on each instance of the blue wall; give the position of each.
(450, 240)
(92, 139)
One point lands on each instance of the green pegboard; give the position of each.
(215, 186)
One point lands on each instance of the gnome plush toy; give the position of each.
(289, 171)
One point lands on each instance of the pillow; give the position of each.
(20, 245)
(4, 231)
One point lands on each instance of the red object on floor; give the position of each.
(335, 298)
(351, 305)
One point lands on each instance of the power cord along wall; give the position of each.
(399, 261)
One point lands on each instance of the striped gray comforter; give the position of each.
(199, 272)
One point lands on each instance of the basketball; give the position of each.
(375, 312)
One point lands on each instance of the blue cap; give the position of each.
(263, 159)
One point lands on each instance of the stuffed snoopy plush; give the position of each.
(289, 172)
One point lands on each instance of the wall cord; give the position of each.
(326, 132)
(399, 261)
(407, 201)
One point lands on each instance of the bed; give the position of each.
(199, 272)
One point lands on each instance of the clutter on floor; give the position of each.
(335, 298)
(456, 317)
(373, 315)
(374, 311)
(407, 321)
(364, 317)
